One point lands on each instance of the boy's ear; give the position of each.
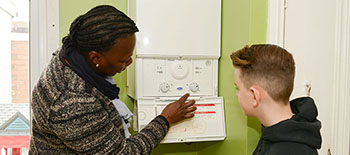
(256, 92)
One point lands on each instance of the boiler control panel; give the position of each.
(175, 77)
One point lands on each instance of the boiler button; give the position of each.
(194, 87)
(164, 87)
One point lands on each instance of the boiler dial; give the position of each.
(164, 87)
(194, 87)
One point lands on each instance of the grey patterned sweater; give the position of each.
(69, 116)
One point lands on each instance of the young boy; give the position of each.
(264, 78)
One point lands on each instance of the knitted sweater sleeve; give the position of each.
(86, 127)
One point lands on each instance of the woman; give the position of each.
(75, 104)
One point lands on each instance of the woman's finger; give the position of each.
(190, 103)
(184, 98)
(189, 115)
(191, 109)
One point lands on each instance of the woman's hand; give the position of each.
(179, 110)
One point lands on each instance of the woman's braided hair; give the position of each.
(98, 29)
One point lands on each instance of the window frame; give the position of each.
(43, 37)
(43, 34)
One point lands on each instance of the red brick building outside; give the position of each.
(20, 71)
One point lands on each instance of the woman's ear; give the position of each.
(256, 93)
(95, 57)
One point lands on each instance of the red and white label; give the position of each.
(205, 112)
(205, 109)
(205, 105)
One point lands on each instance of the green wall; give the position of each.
(243, 22)
(257, 34)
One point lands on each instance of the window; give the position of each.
(15, 84)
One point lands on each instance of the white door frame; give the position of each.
(275, 35)
(43, 34)
(275, 22)
(43, 37)
(341, 116)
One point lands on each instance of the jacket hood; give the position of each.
(303, 127)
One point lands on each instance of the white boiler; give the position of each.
(177, 52)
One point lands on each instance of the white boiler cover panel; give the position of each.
(178, 27)
(208, 124)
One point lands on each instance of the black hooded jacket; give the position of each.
(299, 135)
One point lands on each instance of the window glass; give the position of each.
(14, 83)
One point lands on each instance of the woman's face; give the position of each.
(118, 57)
